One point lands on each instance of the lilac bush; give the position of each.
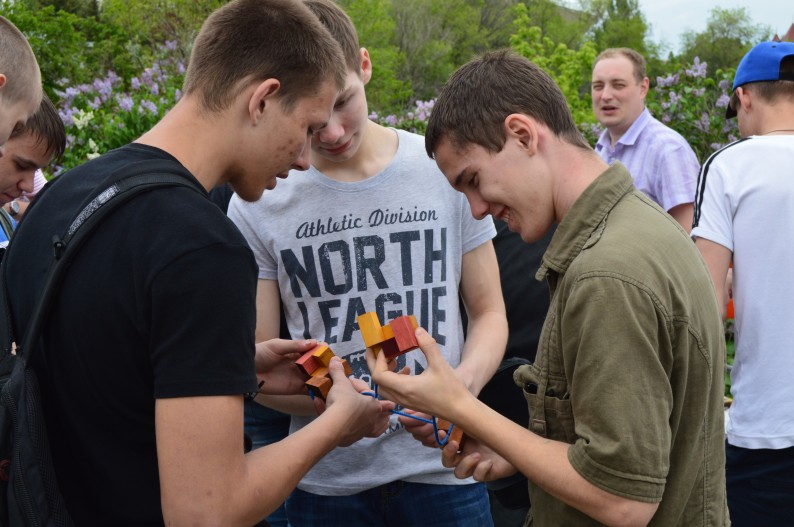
(694, 105)
(111, 112)
(413, 120)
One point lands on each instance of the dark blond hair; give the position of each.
(247, 41)
(341, 27)
(17, 63)
(637, 60)
(474, 103)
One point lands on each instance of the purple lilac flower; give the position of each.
(125, 102)
(170, 45)
(373, 116)
(155, 89)
(723, 101)
(147, 105)
(67, 115)
(715, 146)
(180, 67)
(698, 69)
(724, 85)
(177, 94)
(391, 120)
(702, 124)
(135, 83)
(95, 103)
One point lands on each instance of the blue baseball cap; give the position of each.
(762, 63)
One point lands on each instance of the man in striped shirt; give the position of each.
(659, 159)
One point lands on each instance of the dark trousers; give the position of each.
(760, 485)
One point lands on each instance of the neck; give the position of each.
(577, 169)
(377, 149)
(195, 140)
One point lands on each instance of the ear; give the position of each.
(264, 93)
(644, 86)
(745, 98)
(522, 129)
(366, 65)
(2, 80)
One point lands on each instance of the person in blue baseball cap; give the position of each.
(744, 215)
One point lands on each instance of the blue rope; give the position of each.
(433, 421)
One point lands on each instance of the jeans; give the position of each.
(760, 485)
(396, 504)
(265, 426)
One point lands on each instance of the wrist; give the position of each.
(12, 207)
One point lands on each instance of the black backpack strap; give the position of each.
(123, 188)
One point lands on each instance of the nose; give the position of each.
(304, 160)
(332, 132)
(27, 182)
(479, 207)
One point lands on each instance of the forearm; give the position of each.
(545, 463)
(289, 404)
(484, 349)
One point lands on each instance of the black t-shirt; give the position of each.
(159, 303)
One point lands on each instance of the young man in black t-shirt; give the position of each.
(146, 358)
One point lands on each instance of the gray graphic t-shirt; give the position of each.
(391, 244)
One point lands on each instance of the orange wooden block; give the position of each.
(320, 386)
(457, 434)
(404, 328)
(346, 366)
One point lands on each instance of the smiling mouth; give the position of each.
(339, 149)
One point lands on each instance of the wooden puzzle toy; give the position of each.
(314, 363)
(394, 339)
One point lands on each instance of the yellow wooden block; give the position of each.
(323, 354)
(371, 330)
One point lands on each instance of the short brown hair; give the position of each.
(47, 127)
(637, 60)
(772, 91)
(253, 40)
(474, 103)
(17, 63)
(341, 27)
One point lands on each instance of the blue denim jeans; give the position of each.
(396, 504)
(760, 485)
(265, 426)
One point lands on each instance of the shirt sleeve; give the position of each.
(249, 219)
(621, 396)
(678, 169)
(714, 210)
(203, 318)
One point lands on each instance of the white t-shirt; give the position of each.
(745, 202)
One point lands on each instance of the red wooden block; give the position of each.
(390, 348)
(404, 336)
(308, 363)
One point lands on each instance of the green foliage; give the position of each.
(376, 28)
(619, 23)
(694, 105)
(729, 34)
(156, 21)
(70, 47)
(570, 68)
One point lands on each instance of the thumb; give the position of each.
(336, 370)
(428, 346)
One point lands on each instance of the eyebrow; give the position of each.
(463, 175)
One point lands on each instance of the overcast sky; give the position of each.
(670, 18)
